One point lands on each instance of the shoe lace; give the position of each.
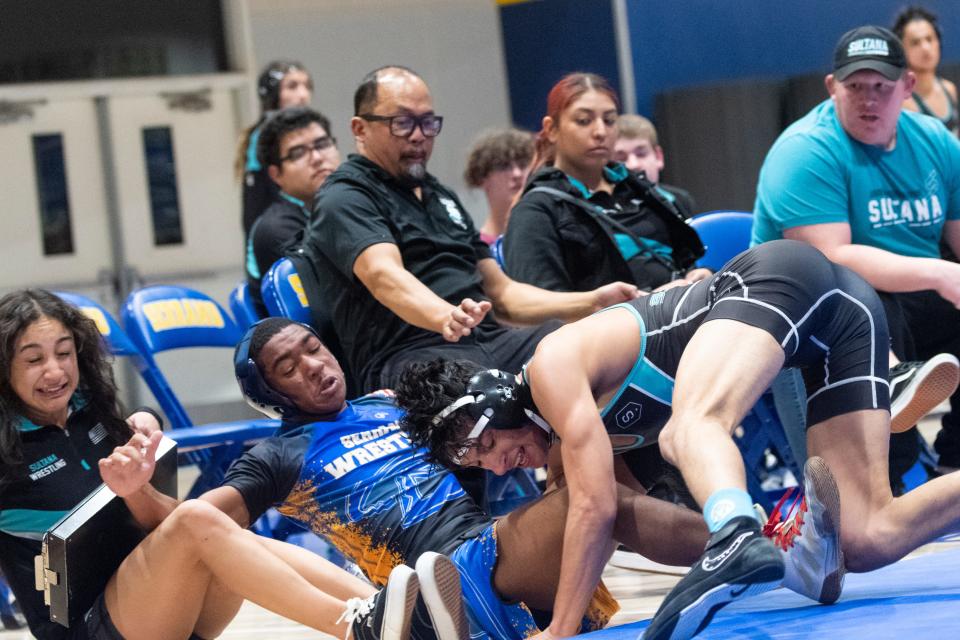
(906, 365)
(357, 609)
(901, 373)
(786, 521)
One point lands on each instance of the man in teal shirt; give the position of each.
(875, 188)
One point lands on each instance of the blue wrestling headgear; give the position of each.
(495, 399)
(254, 387)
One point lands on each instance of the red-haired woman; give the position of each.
(583, 220)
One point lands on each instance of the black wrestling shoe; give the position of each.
(916, 388)
(387, 614)
(738, 562)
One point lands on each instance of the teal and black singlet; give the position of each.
(829, 322)
(951, 121)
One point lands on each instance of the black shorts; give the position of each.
(495, 347)
(828, 320)
(97, 624)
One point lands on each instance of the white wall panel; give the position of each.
(454, 44)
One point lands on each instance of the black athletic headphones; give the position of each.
(495, 399)
(268, 84)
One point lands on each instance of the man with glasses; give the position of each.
(399, 265)
(299, 153)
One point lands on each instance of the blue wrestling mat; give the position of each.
(917, 599)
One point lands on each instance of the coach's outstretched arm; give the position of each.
(524, 304)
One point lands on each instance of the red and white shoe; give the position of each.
(806, 527)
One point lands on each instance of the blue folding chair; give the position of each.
(724, 235)
(165, 317)
(213, 447)
(120, 344)
(10, 617)
(283, 293)
(241, 306)
(116, 339)
(497, 250)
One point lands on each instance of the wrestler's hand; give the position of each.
(948, 282)
(131, 466)
(463, 318)
(670, 285)
(696, 275)
(143, 422)
(614, 293)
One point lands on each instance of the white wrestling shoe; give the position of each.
(807, 529)
(440, 590)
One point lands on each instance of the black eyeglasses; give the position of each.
(403, 125)
(301, 151)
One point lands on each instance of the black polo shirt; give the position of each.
(59, 470)
(360, 205)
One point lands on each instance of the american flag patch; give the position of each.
(98, 433)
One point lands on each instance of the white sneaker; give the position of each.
(807, 529)
(916, 388)
(440, 588)
(387, 614)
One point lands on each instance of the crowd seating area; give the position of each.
(423, 391)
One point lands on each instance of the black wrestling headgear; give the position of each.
(495, 399)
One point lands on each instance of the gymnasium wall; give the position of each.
(720, 78)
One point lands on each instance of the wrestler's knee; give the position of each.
(626, 494)
(671, 441)
(195, 520)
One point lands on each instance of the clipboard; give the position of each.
(85, 547)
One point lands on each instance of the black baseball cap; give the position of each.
(869, 47)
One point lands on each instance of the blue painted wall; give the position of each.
(679, 43)
(546, 39)
(688, 42)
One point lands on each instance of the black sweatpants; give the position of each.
(922, 324)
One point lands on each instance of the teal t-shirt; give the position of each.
(895, 200)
